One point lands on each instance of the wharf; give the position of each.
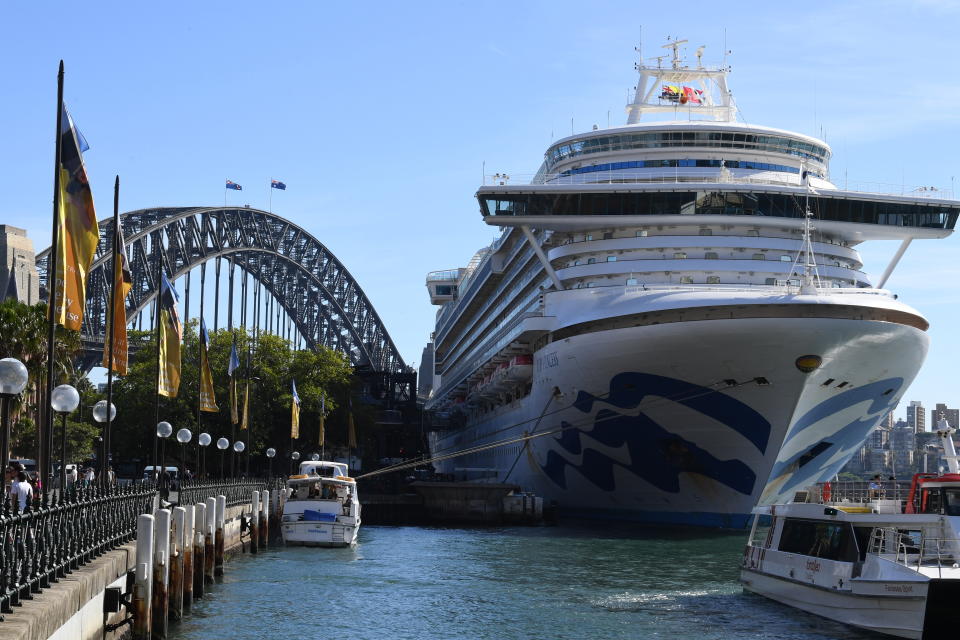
(432, 503)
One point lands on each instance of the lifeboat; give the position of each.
(499, 379)
(520, 368)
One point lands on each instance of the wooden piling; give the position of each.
(198, 548)
(209, 530)
(175, 589)
(144, 578)
(187, 551)
(161, 566)
(219, 536)
(264, 516)
(255, 522)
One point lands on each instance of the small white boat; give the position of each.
(873, 563)
(322, 507)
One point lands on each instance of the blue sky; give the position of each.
(379, 116)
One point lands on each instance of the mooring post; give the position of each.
(254, 522)
(176, 564)
(161, 565)
(199, 526)
(186, 551)
(264, 518)
(144, 578)
(209, 531)
(220, 536)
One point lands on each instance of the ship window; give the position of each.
(827, 540)
(608, 235)
(444, 290)
(679, 255)
(611, 258)
(686, 279)
(753, 233)
(706, 232)
(770, 281)
(631, 282)
(642, 234)
(759, 256)
(591, 285)
(713, 279)
(951, 502)
(588, 237)
(786, 259)
(591, 260)
(576, 263)
(710, 255)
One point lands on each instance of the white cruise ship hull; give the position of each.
(692, 422)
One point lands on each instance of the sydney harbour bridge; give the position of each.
(298, 288)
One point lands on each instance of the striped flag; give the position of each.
(123, 282)
(78, 232)
(208, 399)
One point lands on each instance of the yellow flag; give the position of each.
(208, 399)
(171, 333)
(123, 282)
(234, 413)
(246, 406)
(78, 232)
(294, 412)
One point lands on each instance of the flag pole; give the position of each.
(45, 427)
(111, 329)
(156, 327)
(203, 277)
(271, 195)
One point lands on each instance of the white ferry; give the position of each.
(867, 564)
(322, 508)
(676, 312)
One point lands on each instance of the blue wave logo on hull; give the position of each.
(656, 455)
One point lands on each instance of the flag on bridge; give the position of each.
(208, 400)
(171, 333)
(122, 282)
(276, 184)
(77, 234)
(294, 412)
(233, 366)
(233, 185)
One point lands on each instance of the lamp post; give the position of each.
(294, 456)
(100, 415)
(203, 440)
(314, 456)
(222, 444)
(164, 429)
(271, 452)
(238, 447)
(183, 437)
(13, 380)
(64, 400)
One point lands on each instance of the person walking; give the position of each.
(21, 491)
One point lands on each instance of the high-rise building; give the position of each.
(18, 269)
(903, 443)
(916, 417)
(952, 416)
(887, 422)
(425, 377)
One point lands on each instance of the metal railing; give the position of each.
(236, 491)
(859, 491)
(61, 531)
(906, 549)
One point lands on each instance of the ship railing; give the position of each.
(914, 550)
(625, 177)
(858, 492)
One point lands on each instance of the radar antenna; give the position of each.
(675, 45)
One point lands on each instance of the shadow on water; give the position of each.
(565, 582)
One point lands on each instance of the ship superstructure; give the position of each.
(677, 311)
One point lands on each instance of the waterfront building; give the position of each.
(18, 263)
(903, 442)
(916, 416)
(675, 323)
(952, 416)
(888, 421)
(425, 375)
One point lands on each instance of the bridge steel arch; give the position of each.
(312, 286)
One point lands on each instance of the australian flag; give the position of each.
(276, 184)
(233, 185)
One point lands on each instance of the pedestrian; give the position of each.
(111, 476)
(21, 491)
(875, 487)
(72, 474)
(89, 476)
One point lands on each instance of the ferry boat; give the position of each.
(322, 508)
(866, 564)
(689, 297)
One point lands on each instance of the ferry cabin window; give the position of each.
(611, 258)
(759, 256)
(686, 279)
(631, 282)
(827, 540)
(679, 255)
(951, 502)
(713, 279)
(710, 255)
(786, 259)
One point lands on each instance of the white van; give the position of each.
(149, 472)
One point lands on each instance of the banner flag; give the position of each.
(208, 399)
(351, 429)
(323, 418)
(78, 232)
(231, 367)
(171, 334)
(123, 282)
(294, 412)
(245, 421)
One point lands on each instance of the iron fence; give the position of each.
(236, 491)
(61, 531)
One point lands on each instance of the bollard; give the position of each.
(264, 517)
(254, 522)
(175, 590)
(198, 551)
(187, 552)
(144, 578)
(209, 531)
(220, 536)
(161, 567)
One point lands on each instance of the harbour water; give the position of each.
(544, 583)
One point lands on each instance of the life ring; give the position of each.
(827, 492)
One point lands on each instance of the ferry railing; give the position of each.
(859, 492)
(906, 549)
(236, 491)
(61, 531)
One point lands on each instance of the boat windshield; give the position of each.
(951, 501)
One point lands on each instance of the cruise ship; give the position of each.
(674, 324)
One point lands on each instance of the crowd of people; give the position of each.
(22, 486)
